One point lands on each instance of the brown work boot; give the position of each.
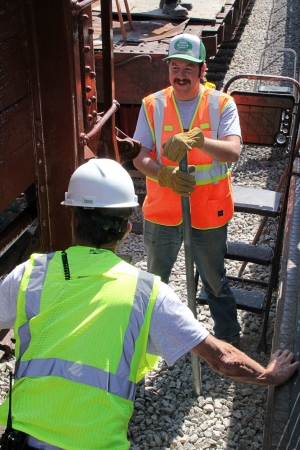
(174, 9)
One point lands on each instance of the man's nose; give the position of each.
(181, 73)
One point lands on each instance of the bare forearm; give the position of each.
(227, 360)
(145, 164)
(226, 149)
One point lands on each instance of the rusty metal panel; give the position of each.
(129, 85)
(142, 53)
(57, 50)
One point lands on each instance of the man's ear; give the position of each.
(203, 70)
(129, 228)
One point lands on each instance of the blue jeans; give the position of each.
(162, 245)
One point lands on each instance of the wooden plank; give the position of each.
(20, 166)
(10, 19)
(13, 72)
(202, 9)
(17, 117)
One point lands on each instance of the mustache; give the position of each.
(184, 80)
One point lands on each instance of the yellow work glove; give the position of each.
(178, 145)
(177, 180)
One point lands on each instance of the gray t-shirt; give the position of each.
(173, 331)
(229, 121)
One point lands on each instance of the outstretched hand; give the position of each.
(281, 366)
(229, 361)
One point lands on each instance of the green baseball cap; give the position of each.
(187, 46)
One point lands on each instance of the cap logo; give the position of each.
(183, 46)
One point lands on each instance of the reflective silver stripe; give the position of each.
(33, 296)
(212, 173)
(159, 110)
(214, 113)
(118, 383)
(80, 373)
(137, 316)
(214, 117)
(35, 284)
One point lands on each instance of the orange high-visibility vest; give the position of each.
(212, 202)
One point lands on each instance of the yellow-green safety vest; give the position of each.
(81, 348)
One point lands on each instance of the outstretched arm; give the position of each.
(227, 360)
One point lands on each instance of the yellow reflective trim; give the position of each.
(226, 104)
(152, 179)
(149, 123)
(204, 126)
(203, 167)
(212, 180)
(206, 166)
(168, 128)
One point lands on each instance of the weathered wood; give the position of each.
(10, 19)
(14, 83)
(16, 128)
(16, 174)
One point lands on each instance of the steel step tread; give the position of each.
(241, 251)
(256, 201)
(252, 301)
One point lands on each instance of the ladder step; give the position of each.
(256, 201)
(252, 301)
(276, 89)
(257, 254)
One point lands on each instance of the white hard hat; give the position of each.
(101, 183)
